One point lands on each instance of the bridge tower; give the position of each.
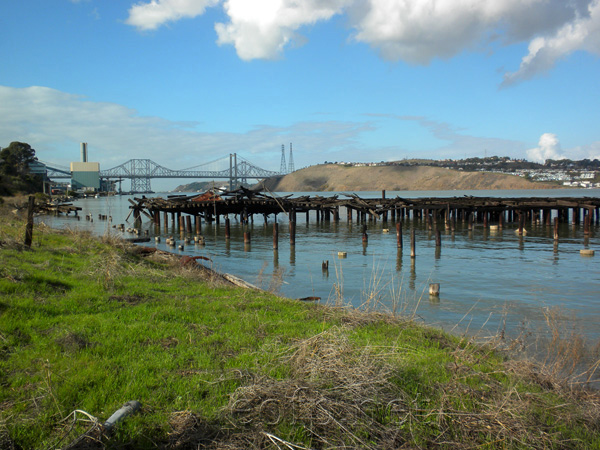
(291, 166)
(283, 165)
(233, 171)
(140, 175)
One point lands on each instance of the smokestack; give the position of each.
(84, 155)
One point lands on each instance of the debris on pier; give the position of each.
(56, 208)
(247, 203)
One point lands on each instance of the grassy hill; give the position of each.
(332, 177)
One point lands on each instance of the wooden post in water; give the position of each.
(412, 244)
(365, 236)
(247, 238)
(543, 216)
(500, 219)
(166, 220)
(470, 224)
(29, 226)
(198, 223)
(556, 228)
(181, 224)
(292, 233)
(521, 215)
(188, 223)
(447, 217)
(349, 214)
(275, 236)
(399, 234)
(227, 228)
(438, 238)
(586, 222)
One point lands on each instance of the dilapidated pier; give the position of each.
(246, 204)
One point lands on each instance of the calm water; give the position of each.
(489, 280)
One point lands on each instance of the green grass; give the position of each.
(88, 325)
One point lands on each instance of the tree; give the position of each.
(15, 158)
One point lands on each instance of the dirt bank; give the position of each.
(331, 177)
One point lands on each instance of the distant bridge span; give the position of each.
(141, 171)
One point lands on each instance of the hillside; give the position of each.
(332, 177)
(201, 186)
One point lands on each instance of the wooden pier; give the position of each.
(57, 208)
(246, 204)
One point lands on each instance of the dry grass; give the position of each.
(338, 396)
(561, 356)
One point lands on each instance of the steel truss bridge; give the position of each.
(141, 171)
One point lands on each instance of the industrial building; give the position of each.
(85, 175)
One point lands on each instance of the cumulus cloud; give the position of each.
(418, 31)
(548, 148)
(149, 16)
(583, 33)
(415, 31)
(262, 30)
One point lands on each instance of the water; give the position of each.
(490, 281)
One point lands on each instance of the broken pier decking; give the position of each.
(245, 204)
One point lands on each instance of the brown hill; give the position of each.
(332, 177)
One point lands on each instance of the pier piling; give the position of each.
(399, 234)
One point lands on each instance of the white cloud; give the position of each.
(55, 122)
(149, 16)
(548, 148)
(263, 29)
(415, 31)
(418, 31)
(583, 33)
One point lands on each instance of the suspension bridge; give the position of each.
(233, 168)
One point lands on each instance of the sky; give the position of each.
(186, 82)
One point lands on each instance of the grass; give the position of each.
(88, 324)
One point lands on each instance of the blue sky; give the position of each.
(184, 82)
